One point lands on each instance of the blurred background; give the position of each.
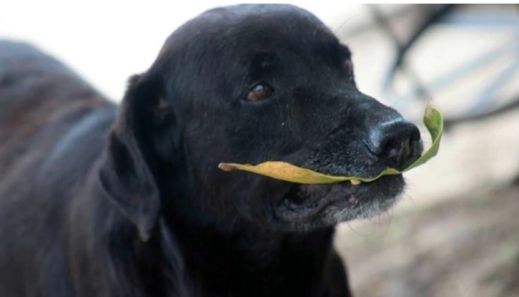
(456, 231)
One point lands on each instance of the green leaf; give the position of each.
(432, 119)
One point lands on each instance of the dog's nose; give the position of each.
(393, 142)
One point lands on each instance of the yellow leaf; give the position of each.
(432, 119)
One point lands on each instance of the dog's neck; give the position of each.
(256, 257)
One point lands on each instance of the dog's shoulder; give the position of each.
(37, 89)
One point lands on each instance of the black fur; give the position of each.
(105, 200)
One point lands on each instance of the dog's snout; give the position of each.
(394, 142)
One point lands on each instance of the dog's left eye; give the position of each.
(259, 92)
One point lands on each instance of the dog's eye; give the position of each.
(259, 92)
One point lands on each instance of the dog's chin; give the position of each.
(308, 207)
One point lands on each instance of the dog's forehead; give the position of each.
(262, 16)
(252, 24)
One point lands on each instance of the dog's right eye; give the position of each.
(260, 91)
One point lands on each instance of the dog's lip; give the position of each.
(289, 211)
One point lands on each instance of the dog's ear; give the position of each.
(125, 174)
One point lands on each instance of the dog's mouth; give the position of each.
(333, 203)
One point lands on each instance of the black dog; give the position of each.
(99, 200)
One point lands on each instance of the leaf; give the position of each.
(432, 119)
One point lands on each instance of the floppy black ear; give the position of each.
(125, 174)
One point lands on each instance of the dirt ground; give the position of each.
(464, 246)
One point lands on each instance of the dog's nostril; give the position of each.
(391, 148)
(392, 142)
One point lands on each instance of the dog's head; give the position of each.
(248, 84)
